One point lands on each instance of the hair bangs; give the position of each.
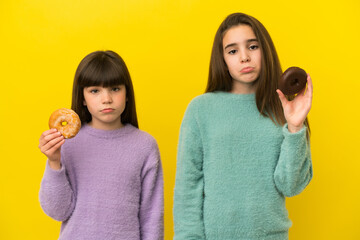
(103, 72)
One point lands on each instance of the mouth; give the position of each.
(107, 110)
(247, 69)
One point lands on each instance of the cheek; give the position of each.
(226, 60)
(228, 63)
(258, 59)
(90, 103)
(121, 99)
(87, 99)
(232, 67)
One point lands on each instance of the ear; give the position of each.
(84, 103)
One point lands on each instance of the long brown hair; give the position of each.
(267, 100)
(106, 69)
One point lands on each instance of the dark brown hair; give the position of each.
(267, 100)
(106, 69)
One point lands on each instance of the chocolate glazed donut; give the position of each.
(292, 81)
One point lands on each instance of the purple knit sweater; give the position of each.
(110, 186)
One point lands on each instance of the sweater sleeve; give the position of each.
(189, 185)
(294, 168)
(56, 195)
(152, 198)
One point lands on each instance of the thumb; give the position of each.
(281, 97)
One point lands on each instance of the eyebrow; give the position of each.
(234, 44)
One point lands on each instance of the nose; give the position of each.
(106, 97)
(245, 59)
(244, 56)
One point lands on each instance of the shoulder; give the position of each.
(144, 138)
(200, 103)
(202, 99)
(146, 147)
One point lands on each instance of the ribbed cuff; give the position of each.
(296, 135)
(52, 175)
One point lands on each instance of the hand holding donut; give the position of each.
(63, 123)
(295, 111)
(50, 144)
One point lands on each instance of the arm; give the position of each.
(56, 195)
(152, 198)
(189, 186)
(294, 169)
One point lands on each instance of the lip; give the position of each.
(247, 69)
(107, 110)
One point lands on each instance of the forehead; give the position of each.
(238, 34)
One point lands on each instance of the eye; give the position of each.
(115, 89)
(94, 91)
(253, 47)
(231, 52)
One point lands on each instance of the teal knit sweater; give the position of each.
(234, 170)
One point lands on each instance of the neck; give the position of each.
(243, 88)
(112, 126)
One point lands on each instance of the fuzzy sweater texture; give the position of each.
(110, 186)
(234, 170)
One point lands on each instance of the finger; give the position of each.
(49, 145)
(56, 147)
(47, 132)
(47, 148)
(309, 92)
(281, 97)
(310, 86)
(48, 136)
(59, 144)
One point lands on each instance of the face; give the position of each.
(242, 56)
(105, 106)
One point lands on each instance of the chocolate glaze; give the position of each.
(292, 81)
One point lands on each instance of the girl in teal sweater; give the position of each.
(243, 145)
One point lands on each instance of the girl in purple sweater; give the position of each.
(106, 182)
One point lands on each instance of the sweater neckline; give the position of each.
(237, 96)
(126, 129)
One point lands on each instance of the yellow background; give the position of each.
(166, 46)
